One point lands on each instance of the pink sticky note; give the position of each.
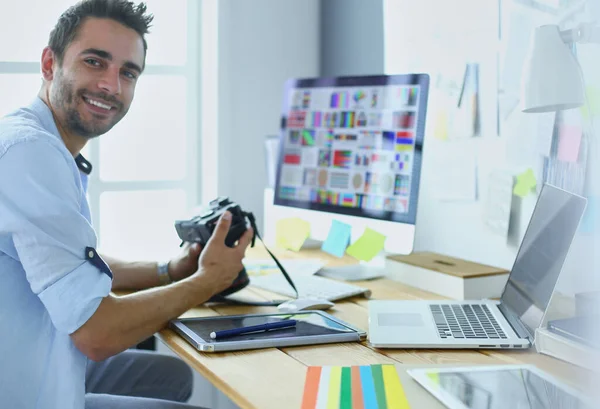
(569, 142)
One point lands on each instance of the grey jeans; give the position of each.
(136, 379)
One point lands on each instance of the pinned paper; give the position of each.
(337, 239)
(366, 386)
(367, 246)
(291, 233)
(545, 132)
(525, 183)
(569, 143)
(590, 221)
(455, 178)
(499, 202)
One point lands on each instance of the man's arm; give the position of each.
(137, 275)
(141, 275)
(120, 322)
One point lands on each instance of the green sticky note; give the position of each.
(367, 246)
(525, 183)
(291, 233)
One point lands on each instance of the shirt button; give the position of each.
(91, 254)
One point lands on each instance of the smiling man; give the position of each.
(66, 338)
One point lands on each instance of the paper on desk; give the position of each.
(498, 202)
(367, 246)
(264, 267)
(291, 233)
(365, 386)
(455, 172)
(526, 182)
(337, 239)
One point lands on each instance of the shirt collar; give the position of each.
(41, 110)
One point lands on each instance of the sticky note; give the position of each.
(569, 142)
(441, 126)
(338, 239)
(291, 233)
(525, 183)
(367, 246)
(593, 97)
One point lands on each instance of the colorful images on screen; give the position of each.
(351, 147)
(408, 95)
(342, 159)
(308, 137)
(358, 96)
(339, 100)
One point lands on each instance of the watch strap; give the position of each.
(163, 273)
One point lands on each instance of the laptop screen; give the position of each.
(542, 254)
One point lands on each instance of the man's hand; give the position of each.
(186, 263)
(218, 262)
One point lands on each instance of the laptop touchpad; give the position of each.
(389, 319)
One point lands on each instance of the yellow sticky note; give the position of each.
(525, 183)
(367, 246)
(441, 126)
(291, 233)
(593, 97)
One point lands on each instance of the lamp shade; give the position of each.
(552, 79)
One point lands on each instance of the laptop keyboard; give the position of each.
(466, 321)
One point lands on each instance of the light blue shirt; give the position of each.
(48, 288)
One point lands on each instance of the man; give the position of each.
(64, 334)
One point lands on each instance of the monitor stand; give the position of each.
(364, 270)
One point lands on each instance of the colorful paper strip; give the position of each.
(356, 387)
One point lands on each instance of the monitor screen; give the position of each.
(353, 145)
(542, 254)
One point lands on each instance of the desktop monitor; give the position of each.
(351, 150)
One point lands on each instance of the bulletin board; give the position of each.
(484, 161)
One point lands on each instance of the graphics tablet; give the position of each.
(498, 387)
(312, 327)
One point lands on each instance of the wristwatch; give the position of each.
(163, 273)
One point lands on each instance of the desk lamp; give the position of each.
(553, 79)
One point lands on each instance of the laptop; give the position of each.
(508, 323)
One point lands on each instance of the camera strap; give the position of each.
(257, 234)
(231, 300)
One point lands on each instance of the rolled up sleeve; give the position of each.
(40, 204)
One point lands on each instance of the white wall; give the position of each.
(467, 30)
(261, 44)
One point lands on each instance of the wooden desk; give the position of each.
(274, 378)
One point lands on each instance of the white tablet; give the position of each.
(311, 327)
(498, 387)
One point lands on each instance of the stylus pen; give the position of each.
(253, 328)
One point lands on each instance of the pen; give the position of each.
(253, 328)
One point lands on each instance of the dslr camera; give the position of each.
(200, 228)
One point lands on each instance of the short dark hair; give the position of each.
(123, 11)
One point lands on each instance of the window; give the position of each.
(144, 175)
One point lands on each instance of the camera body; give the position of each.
(200, 228)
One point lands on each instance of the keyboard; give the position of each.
(466, 321)
(309, 286)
